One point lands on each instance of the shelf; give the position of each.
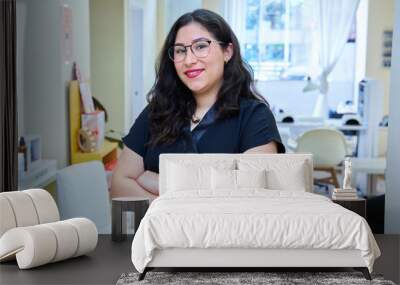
(40, 175)
(107, 153)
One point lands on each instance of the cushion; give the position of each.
(23, 208)
(7, 220)
(183, 178)
(237, 179)
(286, 173)
(295, 180)
(223, 179)
(186, 175)
(40, 244)
(284, 163)
(45, 205)
(251, 178)
(26, 208)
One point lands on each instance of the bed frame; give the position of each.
(242, 259)
(246, 258)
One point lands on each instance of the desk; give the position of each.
(41, 174)
(371, 167)
(331, 123)
(291, 131)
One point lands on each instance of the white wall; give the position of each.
(43, 89)
(380, 18)
(107, 58)
(158, 17)
(392, 202)
(177, 8)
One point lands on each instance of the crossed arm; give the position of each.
(130, 178)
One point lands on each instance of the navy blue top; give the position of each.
(253, 126)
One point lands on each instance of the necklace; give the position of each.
(195, 119)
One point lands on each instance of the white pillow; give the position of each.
(183, 178)
(188, 176)
(223, 179)
(282, 174)
(251, 178)
(226, 179)
(293, 180)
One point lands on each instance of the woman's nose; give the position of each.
(190, 58)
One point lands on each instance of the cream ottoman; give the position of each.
(31, 233)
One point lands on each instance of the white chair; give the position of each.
(31, 231)
(82, 190)
(329, 149)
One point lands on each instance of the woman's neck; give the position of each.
(205, 100)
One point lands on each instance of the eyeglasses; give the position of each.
(200, 49)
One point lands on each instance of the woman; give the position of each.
(203, 101)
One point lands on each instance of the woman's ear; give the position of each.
(228, 52)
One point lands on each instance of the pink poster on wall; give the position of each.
(66, 34)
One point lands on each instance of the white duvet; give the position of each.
(251, 218)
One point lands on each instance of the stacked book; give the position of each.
(344, 194)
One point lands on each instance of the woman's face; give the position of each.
(201, 75)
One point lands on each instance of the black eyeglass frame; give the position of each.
(171, 49)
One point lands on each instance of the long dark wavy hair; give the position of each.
(171, 103)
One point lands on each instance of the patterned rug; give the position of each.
(242, 278)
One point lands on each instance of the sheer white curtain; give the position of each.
(333, 22)
(235, 15)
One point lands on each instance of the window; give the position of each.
(277, 38)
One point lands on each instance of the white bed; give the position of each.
(242, 210)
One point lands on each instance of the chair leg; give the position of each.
(331, 179)
(334, 177)
(364, 271)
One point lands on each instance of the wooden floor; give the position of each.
(110, 260)
(103, 266)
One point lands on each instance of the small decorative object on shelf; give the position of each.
(86, 97)
(23, 149)
(106, 151)
(347, 174)
(94, 122)
(347, 193)
(86, 140)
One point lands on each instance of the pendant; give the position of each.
(195, 120)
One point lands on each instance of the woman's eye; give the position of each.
(200, 46)
(180, 51)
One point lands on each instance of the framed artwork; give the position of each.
(387, 48)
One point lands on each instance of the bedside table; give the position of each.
(358, 206)
(138, 205)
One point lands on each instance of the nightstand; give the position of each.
(358, 206)
(138, 205)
